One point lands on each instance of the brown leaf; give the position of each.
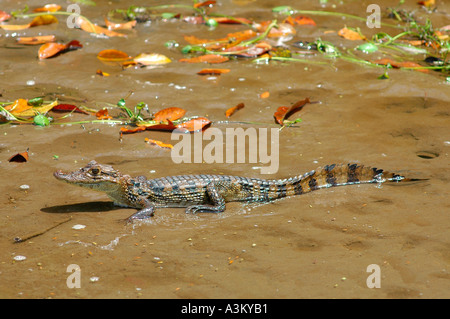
(120, 26)
(169, 114)
(194, 125)
(68, 108)
(233, 109)
(39, 39)
(207, 58)
(283, 112)
(93, 28)
(112, 55)
(48, 8)
(213, 71)
(4, 16)
(158, 143)
(350, 34)
(19, 157)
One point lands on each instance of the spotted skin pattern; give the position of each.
(209, 193)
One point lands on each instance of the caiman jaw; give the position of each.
(94, 176)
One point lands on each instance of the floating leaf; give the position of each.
(35, 110)
(41, 120)
(40, 39)
(18, 106)
(151, 59)
(19, 157)
(68, 108)
(103, 115)
(427, 3)
(367, 47)
(48, 50)
(404, 64)
(283, 112)
(233, 109)
(303, 20)
(93, 28)
(48, 8)
(194, 125)
(350, 34)
(120, 26)
(207, 58)
(169, 114)
(213, 71)
(264, 95)
(112, 55)
(100, 72)
(158, 143)
(204, 4)
(232, 20)
(4, 16)
(37, 21)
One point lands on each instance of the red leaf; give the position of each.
(68, 108)
(283, 112)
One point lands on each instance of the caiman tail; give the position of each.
(331, 176)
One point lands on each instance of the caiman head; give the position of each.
(94, 176)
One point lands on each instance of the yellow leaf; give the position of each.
(151, 59)
(41, 109)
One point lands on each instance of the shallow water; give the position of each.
(318, 245)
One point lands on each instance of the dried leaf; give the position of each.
(213, 71)
(43, 20)
(404, 64)
(303, 20)
(226, 20)
(112, 55)
(103, 115)
(120, 26)
(158, 143)
(19, 157)
(48, 8)
(264, 95)
(40, 39)
(100, 72)
(4, 16)
(169, 114)
(233, 109)
(350, 34)
(68, 108)
(18, 106)
(207, 58)
(151, 59)
(93, 28)
(204, 4)
(194, 125)
(427, 3)
(48, 50)
(283, 112)
(40, 109)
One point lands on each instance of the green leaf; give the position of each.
(211, 23)
(41, 120)
(283, 9)
(167, 15)
(37, 101)
(367, 47)
(186, 49)
(121, 103)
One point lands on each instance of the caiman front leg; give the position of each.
(215, 192)
(147, 211)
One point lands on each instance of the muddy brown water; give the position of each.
(318, 245)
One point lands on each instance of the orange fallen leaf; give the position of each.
(93, 28)
(283, 112)
(18, 106)
(213, 71)
(427, 3)
(112, 55)
(48, 8)
(48, 50)
(169, 114)
(37, 21)
(194, 125)
(233, 109)
(264, 95)
(350, 34)
(397, 65)
(103, 115)
(100, 72)
(207, 58)
(158, 143)
(4, 16)
(120, 26)
(19, 157)
(304, 20)
(40, 39)
(281, 30)
(204, 4)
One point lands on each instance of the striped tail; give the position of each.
(330, 176)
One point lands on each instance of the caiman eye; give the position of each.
(95, 171)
